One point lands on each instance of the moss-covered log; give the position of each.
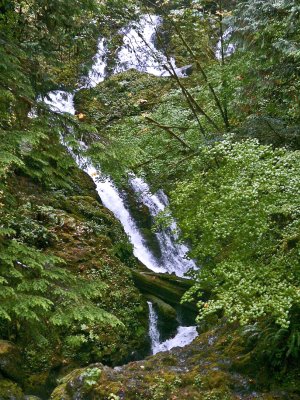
(169, 288)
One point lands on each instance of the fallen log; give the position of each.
(169, 288)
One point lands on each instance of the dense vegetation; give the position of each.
(223, 142)
(64, 281)
(235, 195)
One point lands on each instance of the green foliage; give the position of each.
(279, 346)
(241, 214)
(237, 203)
(36, 288)
(266, 62)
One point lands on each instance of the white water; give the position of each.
(60, 101)
(138, 50)
(174, 255)
(229, 47)
(97, 72)
(184, 336)
(133, 55)
(112, 200)
(153, 329)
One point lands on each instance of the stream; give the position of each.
(138, 51)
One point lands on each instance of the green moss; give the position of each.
(10, 390)
(37, 383)
(199, 371)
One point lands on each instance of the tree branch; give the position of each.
(170, 132)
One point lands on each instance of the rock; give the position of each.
(10, 361)
(78, 383)
(10, 390)
(142, 103)
(163, 308)
(39, 384)
(199, 371)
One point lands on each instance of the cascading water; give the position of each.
(153, 329)
(139, 52)
(184, 335)
(173, 257)
(60, 101)
(229, 48)
(173, 254)
(97, 72)
(112, 200)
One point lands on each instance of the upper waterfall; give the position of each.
(139, 51)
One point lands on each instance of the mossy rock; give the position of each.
(93, 244)
(199, 371)
(38, 384)
(10, 390)
(78, 383)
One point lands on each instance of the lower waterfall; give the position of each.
(184, 335)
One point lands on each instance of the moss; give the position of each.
(37, 383)
(60, 393)
(168, 288)
(199, 371)
(10, 390)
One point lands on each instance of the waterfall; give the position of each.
(112, 200)
(138, 50)
(133, 55)
(153, 329)
(184, 336)
(173, 257)
(60, 101)
(97, 72)
(229, 47)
